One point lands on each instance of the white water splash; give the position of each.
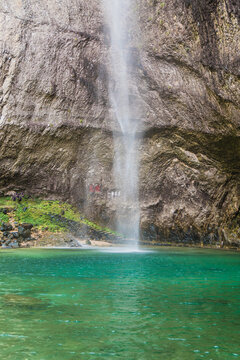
(123, 100)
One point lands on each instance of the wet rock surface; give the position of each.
(84, 231)
(14, 237)
(64, 240)
(6, 227)
(73, 234)
(55, 127)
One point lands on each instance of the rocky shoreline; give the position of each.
(34, 223)
(27, 222)
(26, 236)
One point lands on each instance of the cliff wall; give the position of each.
(56, 127)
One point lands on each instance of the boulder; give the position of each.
(5, 246)
(13, 244)
(28, 239)
(15, 235)
(26, 234)
(6, 227)
(27, 226)
(21, 230)
(11, 193)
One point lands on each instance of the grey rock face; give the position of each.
(55, 123)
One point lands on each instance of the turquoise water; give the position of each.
(165, 304)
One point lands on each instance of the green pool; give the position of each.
(167, 304)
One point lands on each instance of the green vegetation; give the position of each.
(4, 217)
(38, 212)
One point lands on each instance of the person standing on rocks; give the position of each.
(91, 189)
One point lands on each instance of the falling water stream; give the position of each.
(122, 95)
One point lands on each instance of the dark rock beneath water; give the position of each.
(21, 301)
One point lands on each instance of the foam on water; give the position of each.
(125, 249)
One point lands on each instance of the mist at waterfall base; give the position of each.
(125, 112)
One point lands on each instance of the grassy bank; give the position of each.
(42, 214)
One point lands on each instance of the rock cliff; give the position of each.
(56, 127)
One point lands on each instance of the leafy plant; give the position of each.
(4, 218)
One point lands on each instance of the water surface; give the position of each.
(166, 304)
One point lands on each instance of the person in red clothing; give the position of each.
(91, 189)
(97, 188)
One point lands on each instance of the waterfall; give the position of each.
(120, 22)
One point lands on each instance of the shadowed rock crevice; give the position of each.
(223, 149)
(204, 13)
(233, 8)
